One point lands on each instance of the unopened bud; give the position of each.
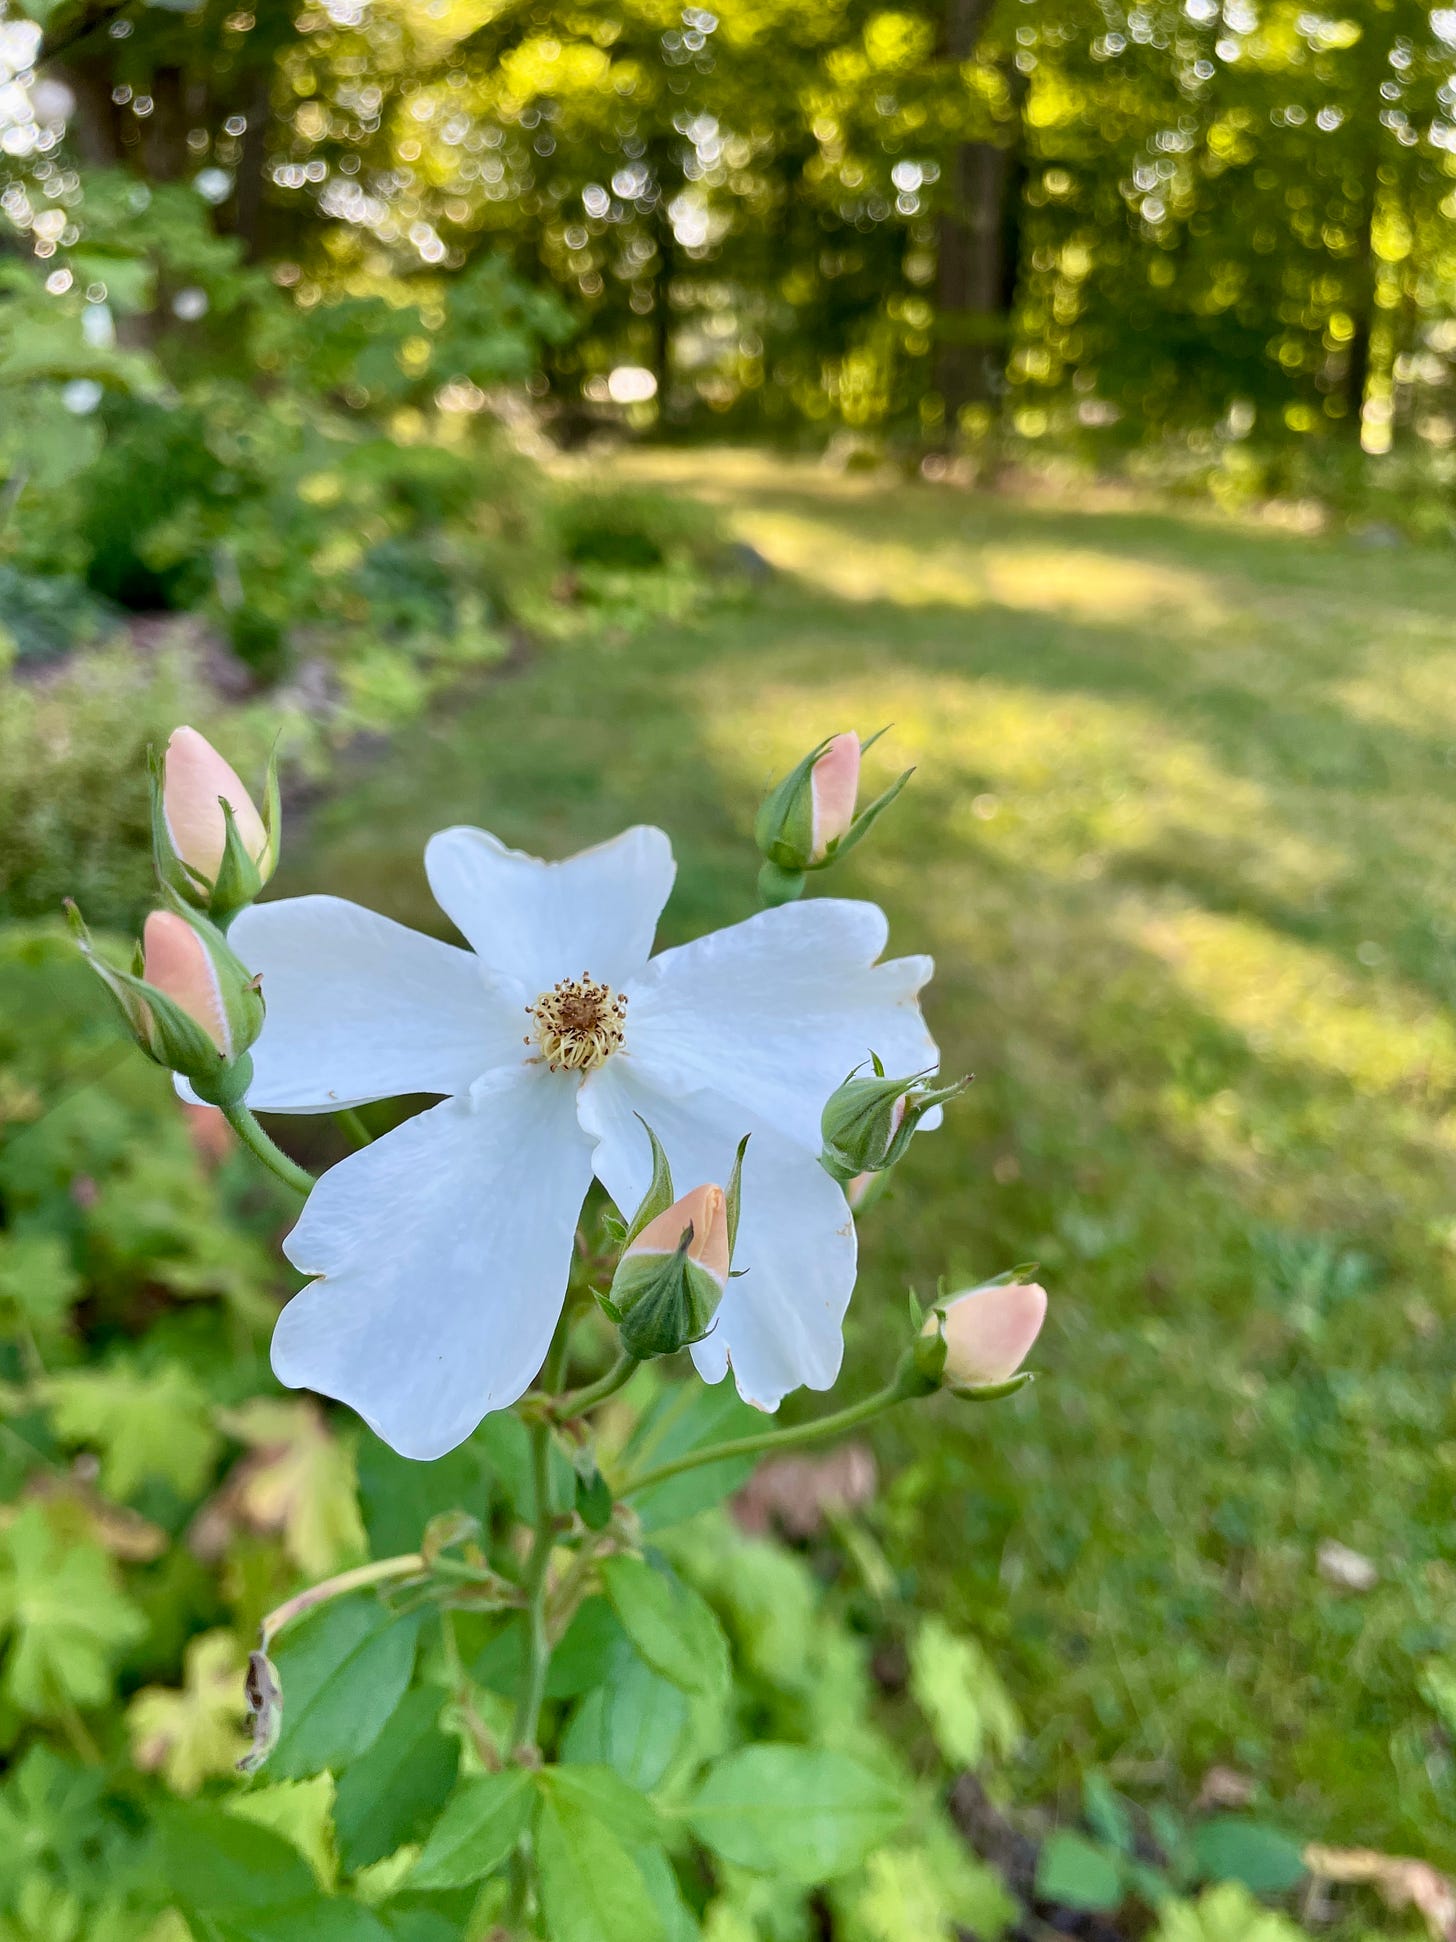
(672, 1275)
(868, 1122)
(833, 791)
(809, 819)
(189, 1001)
(211, 845)
(986, 1334)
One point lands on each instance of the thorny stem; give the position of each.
(410, 1565)
(842, 1419)
(273, 1157)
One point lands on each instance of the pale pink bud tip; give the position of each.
(706, 1211)
(175, 960)
(834, 787)
(989, 1332)
(194, 776)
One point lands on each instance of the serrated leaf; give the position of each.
(190, 1734)
(672, 1626)
(38, 1282)
(1225, 1914)
(1071, 1870)
(62, 1603)
(480, 1826)
(156, 1426)
(960, 1692)
(302, 1811)
(391, 1793)
(299, 1480)
(803, 1812)
(343, 1669)
(218, 1866)
(591, 1888)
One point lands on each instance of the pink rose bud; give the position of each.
(989, 1332)
(176, 961)
(195, 776)
(667, 1288)
(705, 1211)
(834, 790)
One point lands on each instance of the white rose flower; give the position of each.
(442, 1251)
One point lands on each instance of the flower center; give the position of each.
(578, 1024)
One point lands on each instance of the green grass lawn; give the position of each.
(1181, 839)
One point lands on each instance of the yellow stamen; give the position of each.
(578, 1025)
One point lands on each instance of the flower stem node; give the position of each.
(974, 1343)
(868, 1122)
(188, 1000)
(210, 845)
(808, 820)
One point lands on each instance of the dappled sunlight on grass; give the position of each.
(1180, 839)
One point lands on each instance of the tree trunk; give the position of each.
(977, 268)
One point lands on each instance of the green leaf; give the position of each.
(1224, 1914)
(190, 1733)
(390, 1795)
(1106, 1813)
(217, 1865)
(670, 1624)
(38, 1282)
(633, 1723)
(578, 1664)
(1264, 1859)
(591, 1888)
(662, 1884)
(685, 1417)
(320, 1920)
(398, 1497)
(605, 1795)
(960, 1692)
(1074, 1872)
(477, 1831)
(61, 1600)
(302, 1812)
(343, 1669)
(146, 1427)
(804, 1812)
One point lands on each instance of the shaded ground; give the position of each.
(1182, 842)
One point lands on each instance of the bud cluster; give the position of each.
(187, 998)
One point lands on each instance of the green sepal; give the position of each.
(659, 1196)
(665, 1302)
(783, 829)
(733, 1195)
(993, 1392)
(859, 1125)
(863, 822)
(238, 879)
(594, 1500)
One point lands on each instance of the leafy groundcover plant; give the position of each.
(529, 1716)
